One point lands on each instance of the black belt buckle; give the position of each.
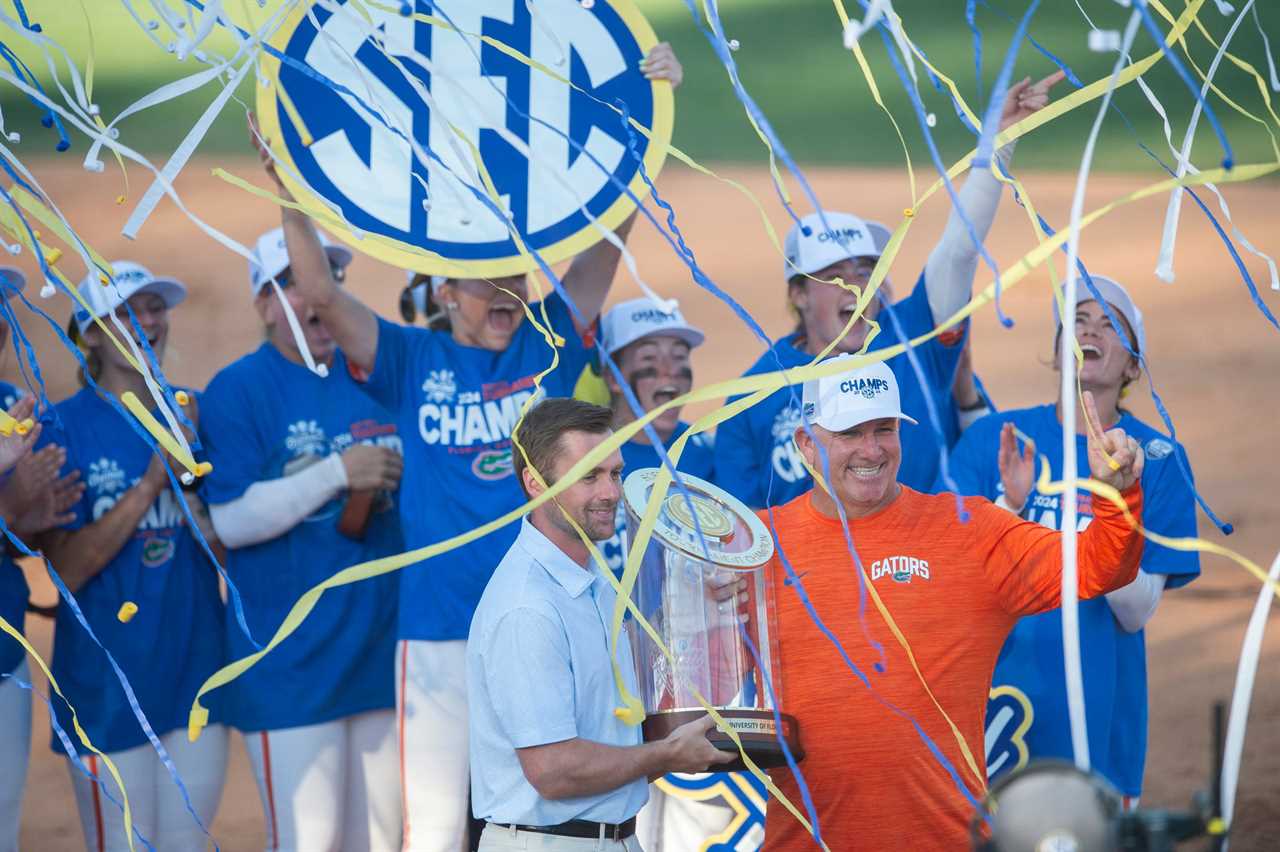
(584, 829)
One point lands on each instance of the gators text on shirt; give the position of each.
(955, 590)
(1027, 716)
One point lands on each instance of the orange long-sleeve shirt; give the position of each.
(955, 590)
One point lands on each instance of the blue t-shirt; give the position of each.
(698, 459)
(174, 641)
(264, 418)
(1030, 679)
(757, 460)
(455, 406)
(13, 585)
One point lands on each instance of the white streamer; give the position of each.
(1242, 696)
(1070, 570)
(1164, 266)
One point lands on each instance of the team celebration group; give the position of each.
(470, 698)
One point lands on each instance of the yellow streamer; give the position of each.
(75, 724)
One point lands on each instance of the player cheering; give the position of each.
(954, 588)
(651, 345)
(303, 472)
(1029, 685)
(456, 390)
(145, 588)
(757, 460)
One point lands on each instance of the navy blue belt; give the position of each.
(581, 828)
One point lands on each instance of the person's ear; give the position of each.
(262, 302)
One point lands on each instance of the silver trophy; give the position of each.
(702, 586)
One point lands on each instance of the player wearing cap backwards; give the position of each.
(304, 475)
(455, 389)
(32, 499)
(1029, 686)
(955, 590)
(756, 458)
(127, 548)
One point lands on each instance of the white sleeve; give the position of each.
(967, 417)
(948, 275)
(1134, 604)
(271, 508)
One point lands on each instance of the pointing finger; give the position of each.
(1049, 82)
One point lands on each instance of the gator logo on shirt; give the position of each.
(306, 437)
(157, 551)
(900, 568)
(1009, 718)
(440, 386)
(493, 465)
(105, 476)
(1158, 448)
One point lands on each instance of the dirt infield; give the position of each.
(1215, 358)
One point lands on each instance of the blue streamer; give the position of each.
(233, 591)
(70, 749)
(805, 796)
(161, 752)
(995, 108)
(48, 117)
(794, 581)
(970, 7)
(1150, 24)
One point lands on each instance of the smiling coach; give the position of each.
(955, 590)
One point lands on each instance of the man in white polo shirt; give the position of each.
(552, 766)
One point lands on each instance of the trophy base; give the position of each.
(756, 728)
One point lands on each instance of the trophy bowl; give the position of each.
(702, 587)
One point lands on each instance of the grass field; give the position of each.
(791, 60)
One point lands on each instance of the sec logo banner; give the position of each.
(491, 92)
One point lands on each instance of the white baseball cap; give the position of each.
(271, 257)
(12, 280)
(842, 401)
(1117, 297)
(629, 321)
(129, 279)
(812, 245)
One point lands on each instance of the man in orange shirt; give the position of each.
(885, 769)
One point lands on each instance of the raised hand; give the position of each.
(661, 64)
(1114, 458)
(1025, 98)
(1017, 469)
(262, 145)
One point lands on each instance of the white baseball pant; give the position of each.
(15, 751)
(431, 704)
(159, 813)
(331, 786)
